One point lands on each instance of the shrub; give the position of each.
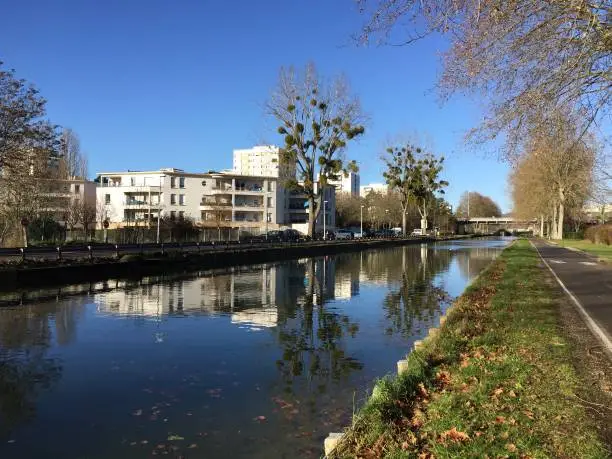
(599, 234)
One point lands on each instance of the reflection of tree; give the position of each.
(474, 260)
(25, 370)
(312, 337)
(416, 298)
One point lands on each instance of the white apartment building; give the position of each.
(373, 188)
(211, 199)
(262, 161)
(347, 184)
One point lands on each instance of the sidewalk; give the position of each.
(588, 281)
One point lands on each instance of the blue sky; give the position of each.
(150, 84)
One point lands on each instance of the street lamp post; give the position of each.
(388, 221)
(361, 221)
(159, 206)
(324, 221)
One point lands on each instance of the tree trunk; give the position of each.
(541, 225)
(404, 222)
(560, 215)
(553, 224)
(312, 217)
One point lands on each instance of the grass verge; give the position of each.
(496, 380)
(601, 251)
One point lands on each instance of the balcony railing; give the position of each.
(215, 204)
(135, 202)
(127, 185)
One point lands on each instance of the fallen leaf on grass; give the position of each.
(511, 447)
(500, 419)
(454, 435)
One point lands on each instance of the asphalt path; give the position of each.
(587, 282)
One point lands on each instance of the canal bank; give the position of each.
(500, 378)
(134, 265)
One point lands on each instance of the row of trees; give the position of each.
(542, 71)
(554, 176)
(384, 210)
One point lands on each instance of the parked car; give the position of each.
(417, 232)
(319, 235)
(291, 235)
(274, 236)
(386, 233)
(343, 234)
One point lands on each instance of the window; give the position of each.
(172, 199)
(172, 182)
(107, 199)
(203, 182)
(172, 215)
(133, 181)
(269, 217)
(269, 201)
(182, 182)
(182, 199)
(181, 215)
(77, 188)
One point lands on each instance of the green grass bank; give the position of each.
(495, 380)
(601, 251)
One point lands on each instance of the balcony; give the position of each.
(209, 204)
(249, 205)
(135, 203)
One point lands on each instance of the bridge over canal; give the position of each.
(492, 225)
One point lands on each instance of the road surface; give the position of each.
(588, 282)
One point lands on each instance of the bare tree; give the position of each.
(555, 172)
(474, 204)
(22, 124)
(73, 162)
(317, 121)
(525, 57)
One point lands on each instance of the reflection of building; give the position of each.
(266, 317)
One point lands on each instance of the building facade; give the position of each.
(349, 184)
(263, 161)
(373, 188)
(215, 199)
(61, 197)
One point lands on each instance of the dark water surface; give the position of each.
(254, 362)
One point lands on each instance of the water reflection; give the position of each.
(26, 335)
(290, 343)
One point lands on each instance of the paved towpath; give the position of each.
(589, 284)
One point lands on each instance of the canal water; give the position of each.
(251, 362)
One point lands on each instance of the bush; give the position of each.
(599, 234)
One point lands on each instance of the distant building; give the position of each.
(347, 184)
(373, 188)
(262, 161)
